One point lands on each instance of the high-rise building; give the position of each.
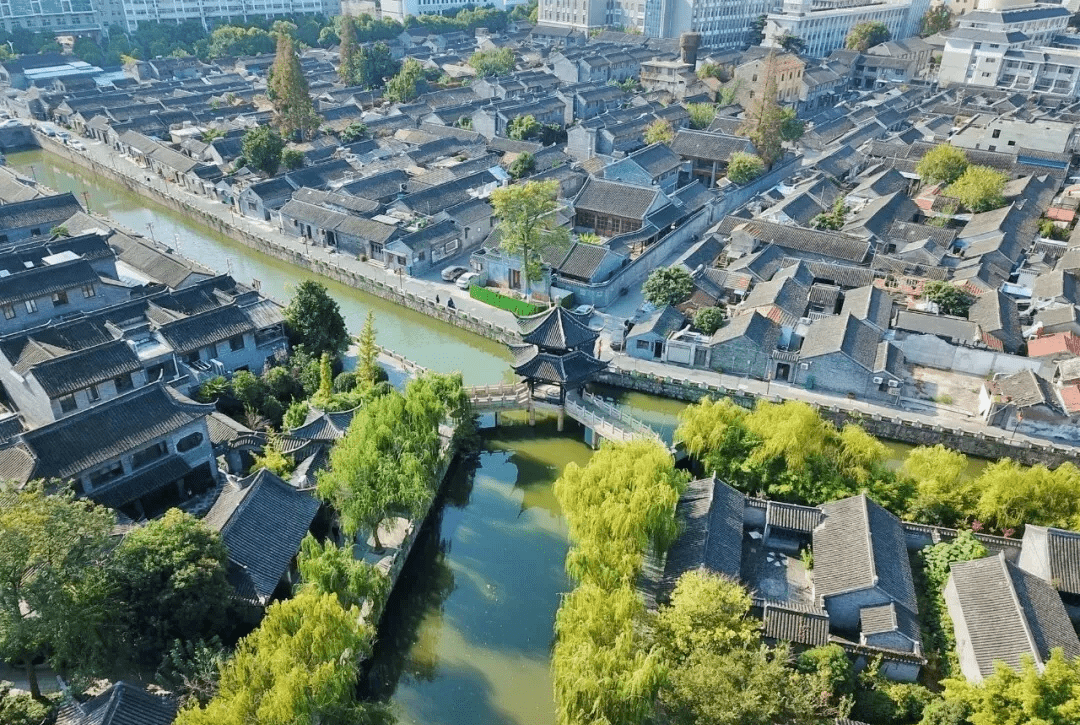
(585, 15)
(823, 25)
(399, 9)
(722, 24)
(129, 13)
(60, 16)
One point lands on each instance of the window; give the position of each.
(997, 133)
(59, 299)
(108, 473)
(236, 342)
(92, 393)
(191, 357)
(88, 290)
(36, 231)
(189, 442)
(1010, 143)
(148, 454)
(31, 305)
(68, 404)
(643, 345)
(9, 311)
(123, 382)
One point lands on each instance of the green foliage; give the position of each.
(315, 321)
(713, 70)
(247, 388)
(1050, 230)
(1049, 697)
(866, 35)
(367, 364)
(402, 87)
(273, 459)
(788, 452)
(348, 70)
(190, 670)
(589, 238)
(932, 573)
(833, 219)
(59, 231)
(942, 164)
(744, 168)
(980, 188)
(935, 20)
(494, 62)
(1011, 496)
(167, 580)
(231, 41)
(330, 569)
(792, 127)
(522, 128)
(288, 90)
(832, 668)
(292, 159)
(488, 296)
(792, 43)
(709, 319)
(668, 286)
(52, 601)
(353, 132)
(295, 415)
(701, 114)
(262, 147)
(659, 131)
(373, 65)
(522, 165)
(950, 298)
(765, 120)
(300, 665)
(386, 462)
(528, 225)
(21, 708)
(617, 507)
(943, 493)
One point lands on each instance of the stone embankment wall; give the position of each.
(221, 224)
(988, 444)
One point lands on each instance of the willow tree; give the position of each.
(527, 224)
(288, 91)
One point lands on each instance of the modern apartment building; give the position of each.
(585, 15)
(1013, 46)
(399, 9)
(129, 13)
(71, 16)
(723, 24)
(823, 25)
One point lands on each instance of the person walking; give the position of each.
(436, 299)
(450, 303)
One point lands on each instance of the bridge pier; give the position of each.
(562, 418)
(532, 416)
(496, 419)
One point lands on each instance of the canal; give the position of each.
(468, 631)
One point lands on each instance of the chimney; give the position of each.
(689, 43)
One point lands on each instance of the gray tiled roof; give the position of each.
(152, 478)
(121, 704)
(67, 373)
(46, 212)
(792, 517)
(72, 445)
(1008, 613)
(44, 280)
(582, 261)
(1058, 284)
(859, 545)
(1023, 389)
(206, 328)
(662, 322)
(707, 145)
(889, 617)
(1064, 554)
(610, 197)
(753, 326)
(996, 314)
(871, 304)
(262, 520)
(844, 333)
(568, 369)
(555, 328)
(796, 239)
(656, 159)
(790, 624)
(711, 514)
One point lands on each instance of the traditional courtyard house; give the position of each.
(610, 208)
(848, 356)
(708, 153)
(120, 704)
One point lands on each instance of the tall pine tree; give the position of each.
(347, 69)
(765, 118)
(288, 91)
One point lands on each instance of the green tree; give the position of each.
(701, 114)
(944, 493)
(833, 219)
(950, 298)
(866, 35)
(494, 62)
(292, 159)
(167, 580)
(792, 127)
(792, 43)
(707, 612)
(942, 164)
(524, 127)
(300, 666)
(315, 321)
(764, 121)
(528, 225)
(328, 568)
(374, 65)
(353, 132)
(402, 87)
(347, 63)
(52, 547)
(273, 458)
(709, 319)
(190, 670)
(668, 286)
(744, 168)
(288, 91)
(935, 20)
(1011, 496)
(295, 415)
(659, 131)
(367, 366)
(262, 147)
(522, 164)
(980, 188)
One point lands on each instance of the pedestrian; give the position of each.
(450, 303)
(436, 299)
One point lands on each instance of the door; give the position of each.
(515, 279)
(658, 349)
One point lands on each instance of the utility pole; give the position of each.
(150, 226)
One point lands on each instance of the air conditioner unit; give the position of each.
(217, 366)
(894, 383)
(804, 366)
(878, 381)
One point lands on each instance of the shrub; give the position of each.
(709, 319)
(744, 168)
(668, 286)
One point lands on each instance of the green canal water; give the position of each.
(467, 635)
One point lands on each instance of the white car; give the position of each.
(466, 280)
(451, 273)
(77, 145)
(584, 310)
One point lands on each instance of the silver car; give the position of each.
(451, 273)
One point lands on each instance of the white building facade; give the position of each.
(129, 13)
(1009, 46)
(47, 16)
(722, 24)
(823, 25)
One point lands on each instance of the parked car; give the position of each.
(451, 273)
(584, 310)
(77, 145)
(466, 280)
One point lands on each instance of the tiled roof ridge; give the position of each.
(1015, 599)
(865, 501)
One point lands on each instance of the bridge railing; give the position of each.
(641, 429)
(598, 423)
(506, 391)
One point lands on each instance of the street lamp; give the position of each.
(150, 226)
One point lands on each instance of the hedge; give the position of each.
(503, 302)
